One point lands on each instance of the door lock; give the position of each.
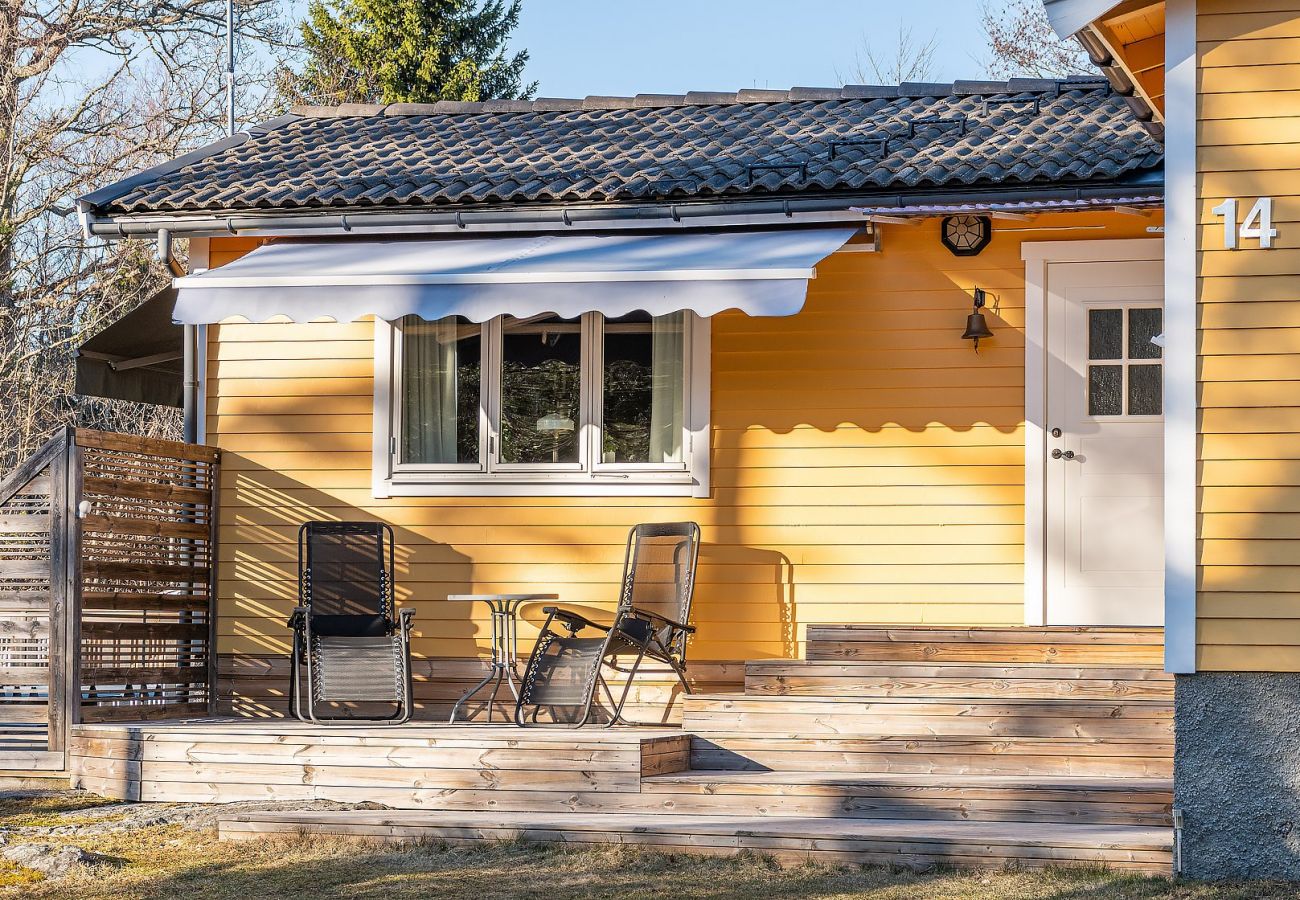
(1060, 454)
(1056, 432)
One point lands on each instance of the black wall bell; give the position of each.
(977, 329)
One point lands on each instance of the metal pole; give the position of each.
(230, 67)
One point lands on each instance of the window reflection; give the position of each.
(541, 359)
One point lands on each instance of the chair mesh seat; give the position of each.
(357, 669)
(572, 664)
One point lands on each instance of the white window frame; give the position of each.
(589, 478)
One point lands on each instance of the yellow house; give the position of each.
(899, 351)
(854, 462)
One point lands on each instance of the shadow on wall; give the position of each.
(878, 345)
(261, 512)
(263, 509)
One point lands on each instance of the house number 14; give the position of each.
(1258, 225)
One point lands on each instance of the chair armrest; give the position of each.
(406, 617)
(572, 618)
(662, 620)
(298, 617)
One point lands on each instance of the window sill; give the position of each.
(506, 487)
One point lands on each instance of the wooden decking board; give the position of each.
(1041, 634)
(1007, 785)
(907, 842)
(410, 735)
(940, 709)
(1098, 799)
(378, 778)
(1069, 646)
(984, 833)
(399, 757)
(942, 668)
(955, 680)
(1065, 654)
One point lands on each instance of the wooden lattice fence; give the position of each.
(106, 550)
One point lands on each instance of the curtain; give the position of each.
(429, 370)
(667, 387)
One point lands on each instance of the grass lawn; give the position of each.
(184, 861)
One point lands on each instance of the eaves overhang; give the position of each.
(667, 215)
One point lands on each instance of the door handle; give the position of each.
(1060, 454)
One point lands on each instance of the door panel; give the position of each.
(1104, 481)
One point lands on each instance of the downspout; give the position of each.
(189, 349)
(190, 395)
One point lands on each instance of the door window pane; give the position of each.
(643, 389)
(1105, 390)
(1105, 334)
(440, 390)
(541, 360)
(1143, 325)
(1144, 390)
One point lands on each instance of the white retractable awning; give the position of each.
(762, 273)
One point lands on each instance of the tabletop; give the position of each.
(502, 597)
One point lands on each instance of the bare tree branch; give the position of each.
(907, 58)
(1021, 42)
(90, 91)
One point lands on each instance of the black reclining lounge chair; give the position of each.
(651, 622)
(346, 636)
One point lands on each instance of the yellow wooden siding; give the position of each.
(867, 465)
(1248, 112)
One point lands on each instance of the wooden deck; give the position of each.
(908, 746)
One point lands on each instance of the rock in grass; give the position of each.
(53, 860)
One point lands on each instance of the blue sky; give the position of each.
(624, 47)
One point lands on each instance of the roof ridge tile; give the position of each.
(869, 92)
(914, 90)
(815, 93)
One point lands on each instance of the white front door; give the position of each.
(1104, 472)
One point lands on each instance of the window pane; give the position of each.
(1143, 325)
(643, 389)
(440, 390)
(1144, 390)
(1105, 334)
(541, 362)
(1105, 390)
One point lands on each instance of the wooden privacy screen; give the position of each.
(106, 545)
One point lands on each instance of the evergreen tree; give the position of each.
(409, 51)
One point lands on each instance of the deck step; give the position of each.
(914, 843)
(988, 798)
(747, 714)
(968, 681)
(412, 767)
(933, 755)
(1129, 647)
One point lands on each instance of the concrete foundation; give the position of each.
(1237, 774)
